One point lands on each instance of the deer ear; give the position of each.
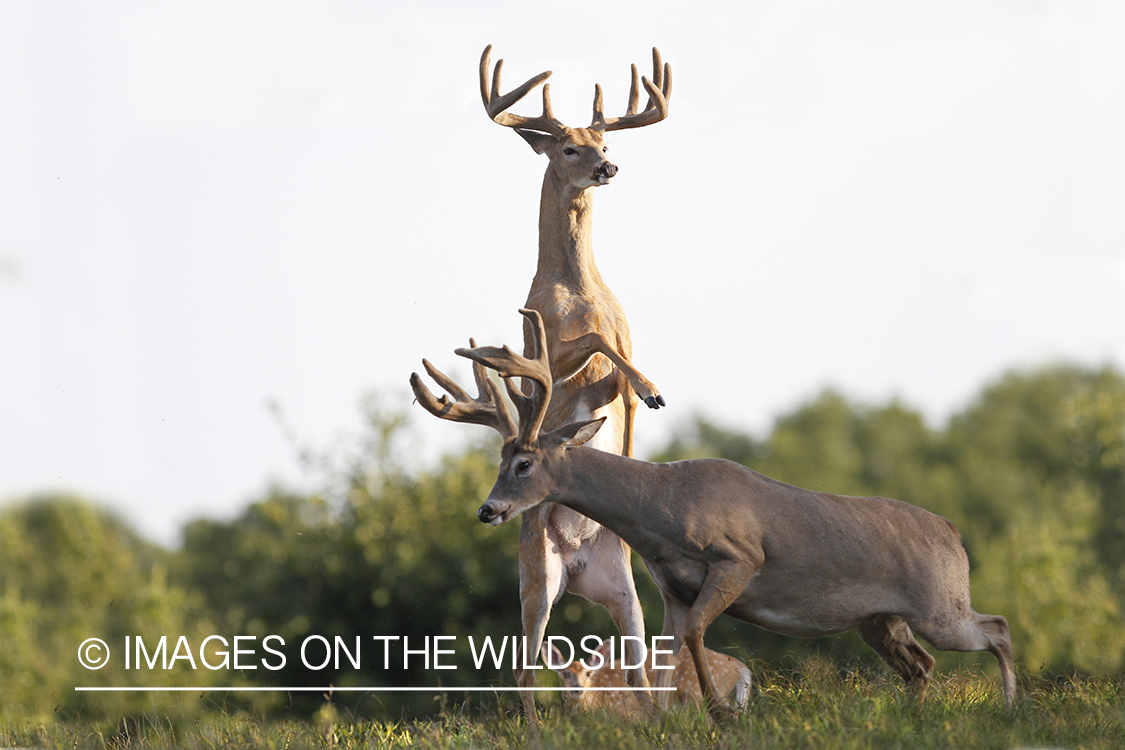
(538, 141)
(574, 434)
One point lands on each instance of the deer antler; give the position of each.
(488, 408)
(508, 364)
(659, 91)
(495, 104)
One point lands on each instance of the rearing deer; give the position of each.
(590, 349)
(718, 537)
(582, 317)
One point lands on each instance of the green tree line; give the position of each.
(1032, 472)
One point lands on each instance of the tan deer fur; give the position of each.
(732, 680)
(718, 537)
(591, 354)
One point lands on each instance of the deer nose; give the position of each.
(607, 169)
(485, 514)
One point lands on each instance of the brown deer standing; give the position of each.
(732, 679)
(591, 351)
(718, 537)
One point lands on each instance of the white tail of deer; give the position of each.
(718, 537)
(590, 350)
(732, 681)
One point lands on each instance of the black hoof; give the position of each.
(654, 402)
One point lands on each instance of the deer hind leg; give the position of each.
(980, 633)
(541, 584)
(995, 630)
(890, 637)
(607, 579)
(724, 583)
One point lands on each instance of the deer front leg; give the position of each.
(541, 585)
(890, 637)
(629, 408)
(568, 357)
(607, 580)
(723, 584)
(675, 615)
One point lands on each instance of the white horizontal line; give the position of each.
(352, 689)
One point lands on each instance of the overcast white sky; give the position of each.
(206, 206)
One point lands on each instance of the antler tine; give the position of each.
(661, 75)
(495, 104)
(598, 123)
(659, 91)
(508, 364)
(488, 408)
(634, 90)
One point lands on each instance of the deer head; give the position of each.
(527, 458)
(577, 155)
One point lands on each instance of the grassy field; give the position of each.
(816, 706)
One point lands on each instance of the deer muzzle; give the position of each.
(605, 172)
(493, 513)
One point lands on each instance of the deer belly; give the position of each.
(684, 580)
(811, 611)
(788, 623)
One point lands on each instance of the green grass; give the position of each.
(815, 706)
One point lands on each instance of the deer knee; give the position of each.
(525, 678)
(995, 629)
(692, 642)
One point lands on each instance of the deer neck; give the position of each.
(609, 489)
(566, 252)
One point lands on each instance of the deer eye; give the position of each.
(605, 149)
(570, 151)
(523, 466)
